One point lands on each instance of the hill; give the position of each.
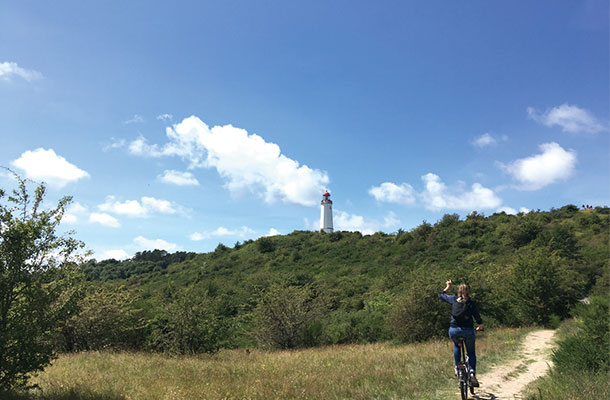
(310, 288)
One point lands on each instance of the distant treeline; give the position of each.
(311, 288)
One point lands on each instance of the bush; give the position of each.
(419, 314)
(588, 348)
(192, 323)
(107, 318)
(285, 316)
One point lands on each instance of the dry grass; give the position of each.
(375, 371)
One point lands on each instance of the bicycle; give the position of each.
(463, 370)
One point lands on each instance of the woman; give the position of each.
(463, 309)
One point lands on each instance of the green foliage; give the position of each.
(418, 314)
(265, 245)
(38, 282)
(543, 285)
(192, 322)
(108, 319)
(587, 349)
(523, 269)
(285, 316)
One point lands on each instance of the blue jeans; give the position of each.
(468, 335)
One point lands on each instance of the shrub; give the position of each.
(284, 316)
(192, 323)
(588, 348)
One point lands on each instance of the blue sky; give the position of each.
(186, 124)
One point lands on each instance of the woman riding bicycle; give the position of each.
(463, 309)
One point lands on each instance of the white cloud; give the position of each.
(131, 208)
(73, 212)
(8, 70)
(158, 205)
(221, 231)
(45, 165)
(246, 161)
(570, 118)
(551, 165)
(437, 196)
(104, 219)
(135, 208)
(136, 119)
(391, 193)
(507, 210)
(152, 244)
(273, 232)
(484, 140)
(178, 178)
(165, 117)
(344, 221)
(118, 254)
(512, 211)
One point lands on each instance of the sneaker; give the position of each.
(474, 380)
(455, 371)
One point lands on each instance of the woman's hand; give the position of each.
(448, 283)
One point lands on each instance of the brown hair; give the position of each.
(463, 291)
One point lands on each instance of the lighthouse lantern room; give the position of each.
(326, 213)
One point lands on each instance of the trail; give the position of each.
(508, 380)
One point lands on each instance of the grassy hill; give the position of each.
(311, 288)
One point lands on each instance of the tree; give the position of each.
(192, 323)
(38, 281)
(284, 313)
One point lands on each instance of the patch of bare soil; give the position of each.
(507, 381)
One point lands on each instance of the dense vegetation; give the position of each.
(312, 288)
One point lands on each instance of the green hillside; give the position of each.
(311, 288)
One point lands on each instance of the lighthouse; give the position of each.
(326, 213)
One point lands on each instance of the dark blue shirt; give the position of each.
(473, 308)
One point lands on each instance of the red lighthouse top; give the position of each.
(326, 194)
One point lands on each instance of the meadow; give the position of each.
(370, 371)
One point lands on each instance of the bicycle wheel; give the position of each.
(464, 390)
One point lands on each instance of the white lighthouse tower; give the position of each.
(326, 213)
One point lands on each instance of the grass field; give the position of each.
(374, 371)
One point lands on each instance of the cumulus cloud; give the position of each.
(9, 70)
(485, 140)
(344, 221)
(135, 208)
(104, 219)
(178, 178)
(391, 193)
(152, 244)
(570, 118)
(551, 165)
(245, 161)
(437, 196)
(136, 119)
(46, 165)
(273, 232)
(221, 231)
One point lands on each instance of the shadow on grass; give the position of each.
(60, 394)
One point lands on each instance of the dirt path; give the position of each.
(507, 381)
